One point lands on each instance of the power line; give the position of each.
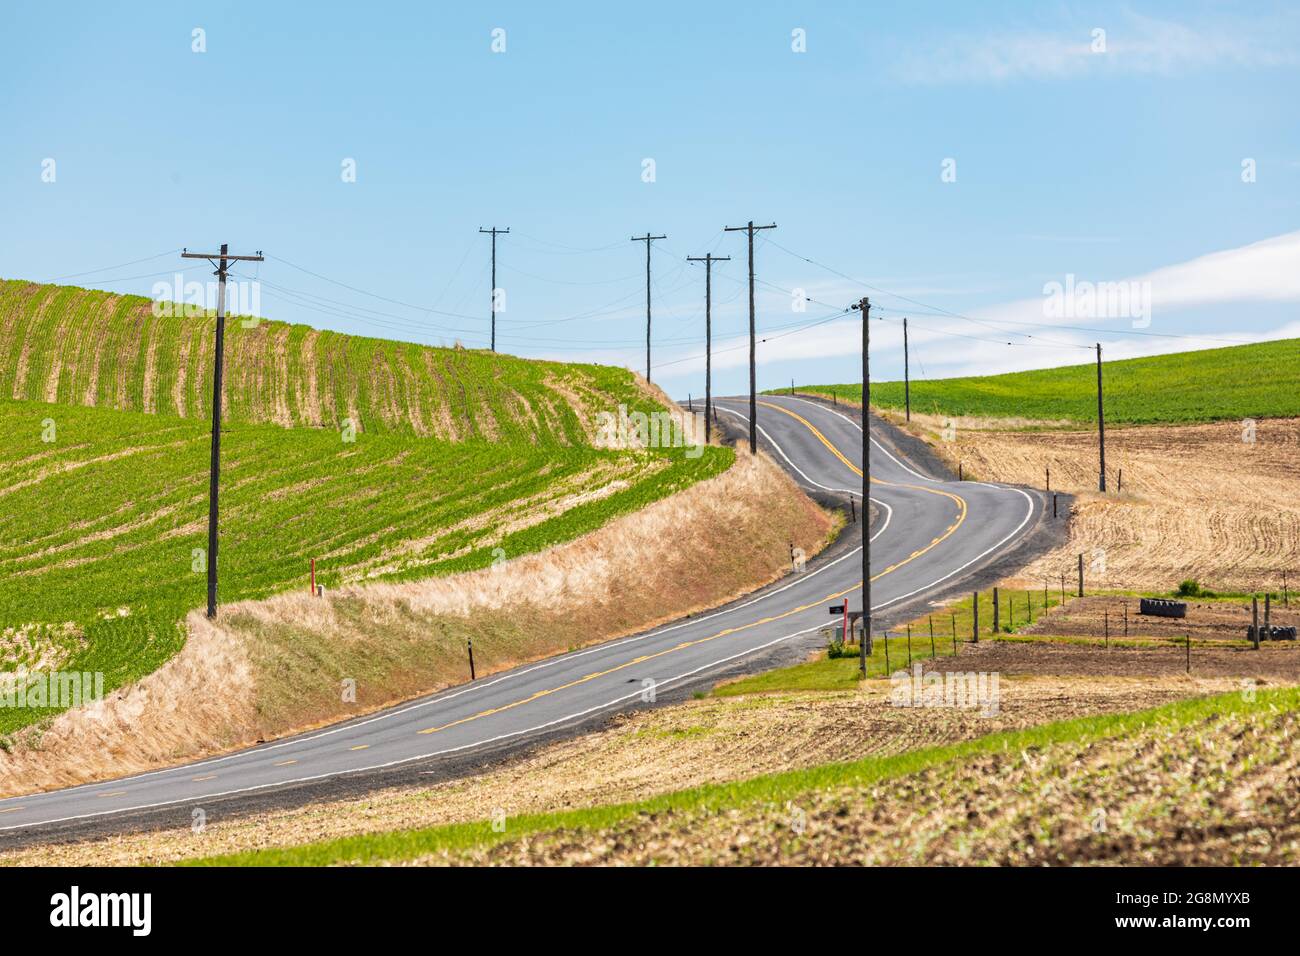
(120, 265)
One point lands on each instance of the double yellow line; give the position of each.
(960, 502)
(961, 516)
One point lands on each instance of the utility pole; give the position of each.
(1101, 424)
(750, 228)
(647, 239)
(494, 232)
(708, 259)
(864, 306)
(214, 469)
(907, 377)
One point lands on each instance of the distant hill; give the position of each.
(1243, 381)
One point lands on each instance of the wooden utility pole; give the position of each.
(863, 306)
(221, 260)
(708, 259)
(1101, 425)
(647, 239)
(750, 229)
(907, 376)
(494, 232)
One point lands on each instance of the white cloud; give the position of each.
(1133, 44)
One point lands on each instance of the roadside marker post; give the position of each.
(1080, 575)
(1106, 626)
(996, 622)
(1254, 619)
(909, 647)
(469, 643)
(954, 634)
(933, 653)
(1189, 652)
(1268, 605)
(975, 621)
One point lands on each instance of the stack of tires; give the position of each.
(1273, 633)
(1160, 607)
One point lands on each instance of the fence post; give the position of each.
(1080, 574)
(996, 621)
(1254, 619)
(975, 622)
(932, 650)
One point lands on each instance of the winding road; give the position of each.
(928, 535)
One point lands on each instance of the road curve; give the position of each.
(929, 534)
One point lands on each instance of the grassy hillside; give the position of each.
(102, 508)
(87, 347)
(1244, 381)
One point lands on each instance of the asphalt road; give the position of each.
(928, 535)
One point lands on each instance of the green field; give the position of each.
(103, 511)
(1244, 381)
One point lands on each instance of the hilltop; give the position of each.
(1242, 381)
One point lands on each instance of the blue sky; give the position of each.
(1119, 163)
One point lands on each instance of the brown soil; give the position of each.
(643, 754)
(1197, 501)
(1217, 793)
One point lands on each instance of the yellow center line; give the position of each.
(206, 776)
(285, 763)
(961, 502)
(961, 516)
(11, 809)
(113, 793)
(359, 747)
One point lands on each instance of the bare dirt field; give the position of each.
(1219, 503)
(1218, 792)
(648, 753)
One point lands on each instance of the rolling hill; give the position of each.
(1243, 381)
(453, 459)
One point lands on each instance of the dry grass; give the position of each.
(268, 668)
(1197, 501)
(640, 755)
